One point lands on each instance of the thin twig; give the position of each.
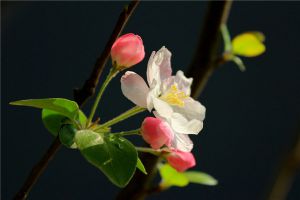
(286, 173)
(203, 64)
(201, 68)
(37, 170)
(88, 89)
(80, 97)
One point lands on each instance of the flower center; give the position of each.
(174, 96)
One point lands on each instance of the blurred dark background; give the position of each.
(48, 48)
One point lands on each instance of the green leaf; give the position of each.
(82, 118)
(141, 166)
(249, 44)
(67, 135)
(115, 156)
(200, 178)
(52, 121)
(171, 177)
(64, 107)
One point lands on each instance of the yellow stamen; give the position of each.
(174, 96)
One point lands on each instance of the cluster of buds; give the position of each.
(176, 113)
(157, 134)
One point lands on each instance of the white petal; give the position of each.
(192, 110)
(159, 66)
(184, 84)
(162, 108)
(152, 71)
(163, 60)
(135, 88)
(181, 125)
(182, 142)
(153, 93)
(150, 101)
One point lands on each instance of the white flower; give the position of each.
(168, 95)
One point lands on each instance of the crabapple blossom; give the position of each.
(168, 95)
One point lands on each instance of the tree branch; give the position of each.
(201, 68)
(80, 97)
(88, 89)
(203, 64)
(37, 170)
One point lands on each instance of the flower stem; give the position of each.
(129, 113)
(149, 150)
(112, 73)
(132, 132)
(226, 38)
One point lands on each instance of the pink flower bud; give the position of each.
(127, 51)
(180, 160)
(156, 132)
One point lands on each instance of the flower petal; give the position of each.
(135, 88)
(153, 93)
(184, 84)
(181, 125)
(163, 60)
(162, 108)
(192, 109)
(159, 66)
(182, 142)
(152, 71)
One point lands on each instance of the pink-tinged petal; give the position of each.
(184, 84)
(152, 70)
(181, 161)
(135, 88)
(159, 66)
(181, 125)
(156, 132)
(163, 60)
(182, 142)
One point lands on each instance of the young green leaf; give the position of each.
(116, 157)
(82, 118)
(249, 44)
(52, 121)
(171, 177)
(67, 135)
(141, 166)
(200, 178)
(64, 107)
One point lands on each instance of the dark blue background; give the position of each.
(49, 48)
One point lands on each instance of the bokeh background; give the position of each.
(48, 48)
